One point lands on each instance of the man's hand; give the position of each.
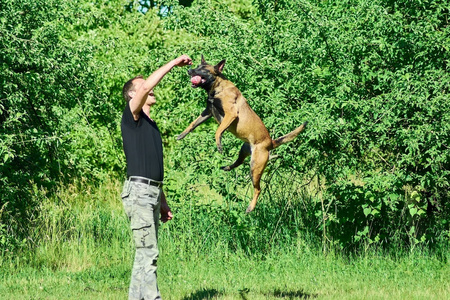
(141, 95)
(182, 61)
(166, 213)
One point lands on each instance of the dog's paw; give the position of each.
(226, 168)
(182, 135)
(220, 148)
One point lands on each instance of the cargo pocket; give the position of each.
(145, 237)
(152, 194)
(142, 213)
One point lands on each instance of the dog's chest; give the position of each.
(216, 108)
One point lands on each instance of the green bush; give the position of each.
(372, 80)
(371, 77)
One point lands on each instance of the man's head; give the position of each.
(131, 86)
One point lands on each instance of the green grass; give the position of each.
(80, 248)
(298, 274)
(308, 275)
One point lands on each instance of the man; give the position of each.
(142, 194)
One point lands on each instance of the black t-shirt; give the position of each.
(142, 145)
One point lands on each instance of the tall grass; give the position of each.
(77, 227)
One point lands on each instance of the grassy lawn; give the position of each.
(306, 275)
(309, 276)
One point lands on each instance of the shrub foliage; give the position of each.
(371, 77)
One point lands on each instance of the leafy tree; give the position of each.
(371, 77)
(43, 79)
(60, 79)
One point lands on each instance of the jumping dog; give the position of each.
(230, 109)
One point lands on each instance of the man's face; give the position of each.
(150, 97)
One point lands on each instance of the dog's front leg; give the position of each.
(226, 122)
(206, 114)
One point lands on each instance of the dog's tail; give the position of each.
(288, 137)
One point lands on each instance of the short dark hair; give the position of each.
(129, 86)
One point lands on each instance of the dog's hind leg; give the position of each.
(243, 153)
(260, 156)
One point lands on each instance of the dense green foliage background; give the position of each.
(371, 77)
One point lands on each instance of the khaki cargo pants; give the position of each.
(142, 203)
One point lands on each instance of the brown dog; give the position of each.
(231, 110)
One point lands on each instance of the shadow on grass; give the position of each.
(300, 294)
(203, 294)
(211, 293)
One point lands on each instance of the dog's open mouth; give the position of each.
(197, 81)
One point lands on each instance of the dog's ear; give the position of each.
(220, 66)
(203, 60)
